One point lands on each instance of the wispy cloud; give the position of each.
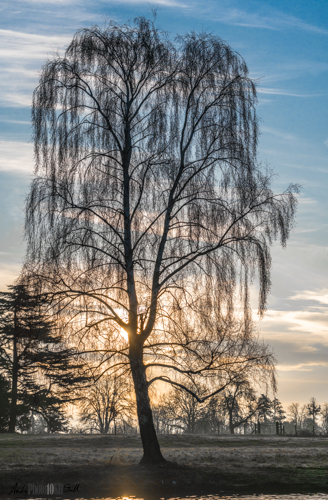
(320, 296)
(16, 157)
(17, 99)
(49, 2)
(21, 56)
(164, 3)
(306, 319)
(16, 122)
(271, 20)
(304, 200)
(273, 91)
(300, 367)
(278, 133)
(14, 43)
(167, 3)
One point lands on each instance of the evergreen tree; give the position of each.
(279, 413)
(313, 409)
(4, 404)
(33, 360)
(264, 406)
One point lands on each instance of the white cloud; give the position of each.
(313, 323)
(14, 44)
(303, 200)
(272, 91)
(289, 69)
(302, 367)
(320, 296)
(21, 57)
(16, 157)
(16, 122)
(16, 99)
(308, 230)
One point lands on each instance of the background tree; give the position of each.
(313, 409)
(240, 402)
(264, 409)
(182, 410)
(215, 414)
(294, 412)
(50, 405)
(146, 183)
(108, 401)
(4, 403)
(324, 413)
(278, 413)
(306, 423)
(33, 359)
(160, 417)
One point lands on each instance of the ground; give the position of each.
(107, 466)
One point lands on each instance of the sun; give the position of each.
(124, 334)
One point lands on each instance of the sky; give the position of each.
(285, 45)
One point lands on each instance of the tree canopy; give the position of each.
(148, 201)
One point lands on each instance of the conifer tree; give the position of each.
(34, 360)
(4, 404)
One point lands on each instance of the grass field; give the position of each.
(107, 465)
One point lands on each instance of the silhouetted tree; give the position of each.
(240, 403)
(215, 414)
(264, 409)
(4, 403)
(146, 183)
(33, 359)
(306, 424)
(48, 404)
(313, 409)
(182, 410)
(107, 401)
(294, 412)
(278, 413)
(324, 413)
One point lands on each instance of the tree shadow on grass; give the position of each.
(154, 482)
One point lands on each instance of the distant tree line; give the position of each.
(40, 375)
(239, 410)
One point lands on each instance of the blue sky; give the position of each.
(285, 46)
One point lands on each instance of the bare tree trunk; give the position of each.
(193, 423)
(33, 422)
(152, 453)
(231, 426)
(13, 403)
